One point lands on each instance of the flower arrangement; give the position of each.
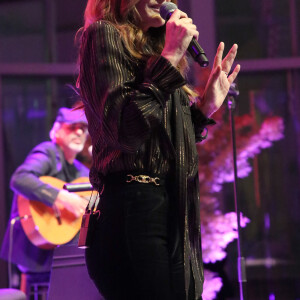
(216, 168)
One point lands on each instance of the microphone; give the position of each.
(194, 48)
(18, 218)
(78, 187)
(233, 90)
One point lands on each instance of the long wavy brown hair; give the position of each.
(125, 17)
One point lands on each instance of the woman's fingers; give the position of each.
(180, 18)
(185, 21)
(219, 54)
(227, 62)
(233, 75)
(177, 14)
(229, 59)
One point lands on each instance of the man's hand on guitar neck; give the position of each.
(72, 202)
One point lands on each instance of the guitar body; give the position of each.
(42, 226)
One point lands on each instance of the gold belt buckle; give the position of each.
(142, 179)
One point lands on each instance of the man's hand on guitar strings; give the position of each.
(72, 202)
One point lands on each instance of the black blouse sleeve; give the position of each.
(122, 109)
(200, 122)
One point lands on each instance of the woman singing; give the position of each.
(144, 122)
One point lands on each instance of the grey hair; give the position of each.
(56, 126)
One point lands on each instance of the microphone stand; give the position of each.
(231, 97)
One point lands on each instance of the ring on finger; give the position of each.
(225, 73)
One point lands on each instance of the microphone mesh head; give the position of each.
(167, 9)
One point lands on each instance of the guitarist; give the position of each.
(54, 158)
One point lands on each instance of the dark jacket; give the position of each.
(140, 119)
(46, 159)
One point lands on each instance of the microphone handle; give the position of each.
(78, 187)
(197, 53)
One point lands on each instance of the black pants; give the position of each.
(135, 252)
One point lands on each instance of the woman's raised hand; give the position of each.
(219, 82)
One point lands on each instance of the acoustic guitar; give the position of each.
(46, 227)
